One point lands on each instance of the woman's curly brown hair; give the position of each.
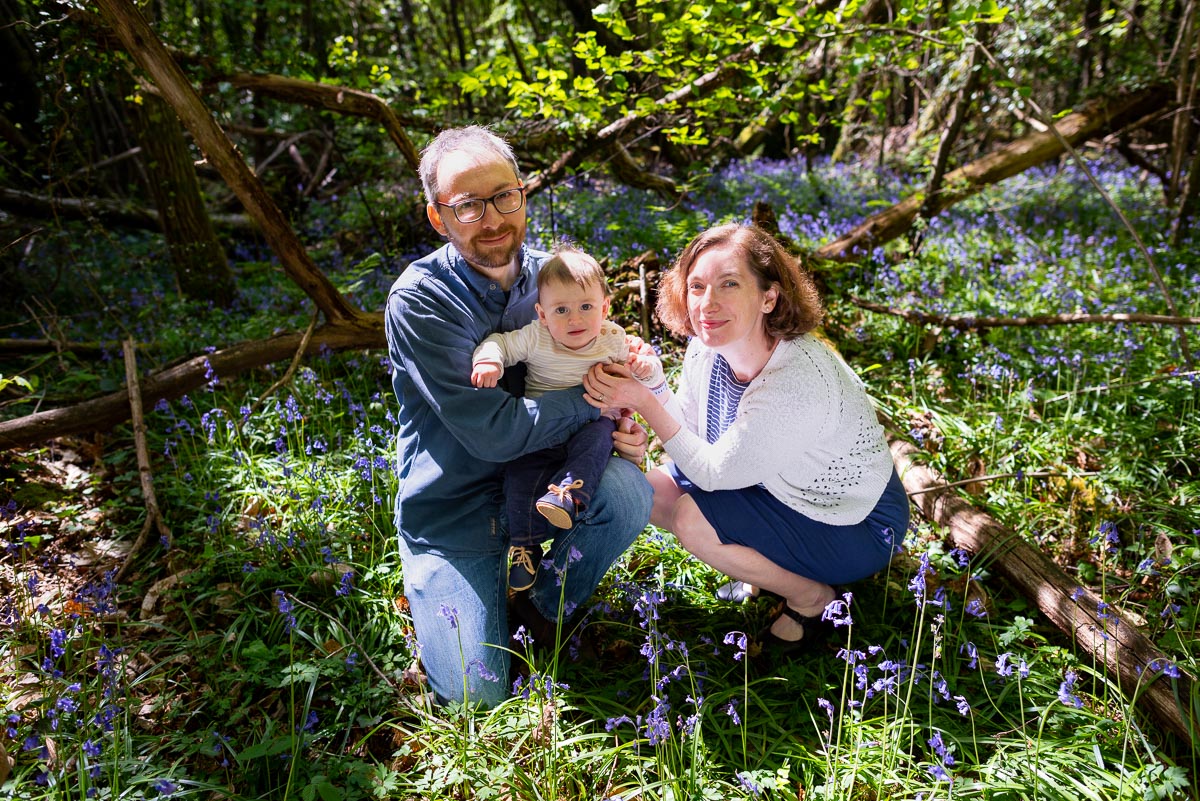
(798, 309)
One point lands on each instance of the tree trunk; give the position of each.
(1097, 117)
(958, 119)
(201, 268)
(1123, 651)
(150, 54)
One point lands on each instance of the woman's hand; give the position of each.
(613, 386)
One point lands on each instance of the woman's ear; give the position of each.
(770, 298)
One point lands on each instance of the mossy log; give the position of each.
(1119, 648)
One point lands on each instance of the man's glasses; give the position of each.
(506, 202)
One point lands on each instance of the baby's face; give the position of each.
(573, 314)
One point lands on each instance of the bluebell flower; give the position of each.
(481, 670)
(739, 640)
(613, 723)
(828, 707)
(938, 772)
(838, 611)
(917, 584)
(747, 785)
(1064, 691)
(658, 725)
(450, 613)
(285, 608)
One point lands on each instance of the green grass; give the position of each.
(265, 652)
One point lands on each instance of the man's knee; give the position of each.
(627, 493)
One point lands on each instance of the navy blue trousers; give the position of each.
(527, 478)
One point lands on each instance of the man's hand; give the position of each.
(630, 440)
(486, 374)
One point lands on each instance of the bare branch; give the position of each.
(154, 518)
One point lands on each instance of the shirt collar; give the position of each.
(480, 283)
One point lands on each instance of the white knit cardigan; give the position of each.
(805, 429)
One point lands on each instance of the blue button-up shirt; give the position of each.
(454, 438)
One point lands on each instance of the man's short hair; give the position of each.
(471, 138)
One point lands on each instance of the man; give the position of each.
(454, 438)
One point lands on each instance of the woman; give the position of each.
(780, 474)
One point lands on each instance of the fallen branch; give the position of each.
(154, 518)
(111, 212)
(1093, 119)
(106, 411)
(968, 322)
(1117, 645)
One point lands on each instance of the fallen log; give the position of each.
(1093, 119)
(103, 210)
(106, 411)
(1117, 645)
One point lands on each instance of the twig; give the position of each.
(969, 322)
(287, 375)
(345, 630)
(154, 517)
(977, 479)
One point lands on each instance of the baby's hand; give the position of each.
(486, 374)
(641, 367)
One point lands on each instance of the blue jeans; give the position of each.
(526, 479)
(459, 601)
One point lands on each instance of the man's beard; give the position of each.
(491, 259)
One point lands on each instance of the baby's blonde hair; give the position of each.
(569, 265)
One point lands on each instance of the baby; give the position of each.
(571, 334)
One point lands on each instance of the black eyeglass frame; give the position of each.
(484, 201)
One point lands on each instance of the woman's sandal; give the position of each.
(816, 631)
